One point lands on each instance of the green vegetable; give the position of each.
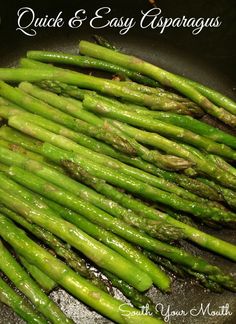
(186, 122)
(114, 242)
(165, 78)
(94, 250)
(213, 95)
(29, 287)
(203, 165)
(28, 143)
(62, 196)
(98, 104)
(105, 86)
(191, 233)
(40, 277)
(88, 62)
(64, 276)
(115, 177)
(20, 306)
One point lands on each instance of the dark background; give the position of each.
(209, 57)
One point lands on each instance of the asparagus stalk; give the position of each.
(192, 185)
(63, 89)
(99, 105)
(186, 122)
(153, 228)
(63, 142)
(119, 179)
(213, 95)
(181, 272)
(63, 275)
(94, 250)
(203, 239)
(104, 42)
(229, 195)
(104, 220)
(40, 277)
(173, 253)
(138, 300)
(203, 165)
(75, 108)
(218, 278)
(28, 286)
(75, 92)
(158, 182)
(105, 86)
(222, 164)
(160, 75)
(108, 238)
(30, 154)
(35, 106)
(20, 306)
(60, 248)
(89, 62)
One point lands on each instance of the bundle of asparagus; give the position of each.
(100, 179)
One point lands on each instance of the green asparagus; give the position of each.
(165, 78)
(22, 308)
(173, 253)
(29, 287)
(72, 282)
(99, 105)
(41, 278)
(88, 62)
(94, 250)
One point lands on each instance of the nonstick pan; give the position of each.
(209, 57)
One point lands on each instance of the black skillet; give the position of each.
(209, 57)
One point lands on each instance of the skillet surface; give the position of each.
(208, 57)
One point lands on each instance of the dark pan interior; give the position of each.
(208, 57)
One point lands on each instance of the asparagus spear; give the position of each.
(157, 229)
(117, 178)
(138, 300)
(20, 306)
(193, 234)
(160, 75)
(203, 165)
(75, 108)
(104, 160)
(213, 95)
(173, 253)
(186, 122)
(108, 238)
(40, 277)
(181, 272)
(61, 249)
(63, 275)
(28, 286)
(104, 42)
(229, 195)
(73, 91)
(63, 89)
(30, 154)
(89, 62)
(153, 228)
(222, 164)
(99, 105)
(105, 86)
(94, 250)
(35, 106)
(189, 184)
